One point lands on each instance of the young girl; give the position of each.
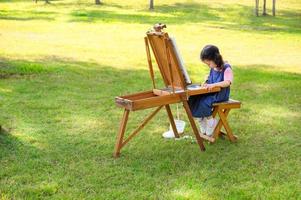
(220, 76)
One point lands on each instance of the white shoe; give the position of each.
(202, 123)
(168, 134)
(210, 126)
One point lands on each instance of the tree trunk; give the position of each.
(264, 7)
(274, 7)
(97, 2)
(256, 7)
(151, 4)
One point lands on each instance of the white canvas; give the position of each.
(180, 61)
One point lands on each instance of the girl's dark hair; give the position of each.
(211, 52)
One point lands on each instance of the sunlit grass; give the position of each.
(61, 65)
(259, 41)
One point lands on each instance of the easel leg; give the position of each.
(172, 122)
(122, 127)
(195, 130)
(145, 121)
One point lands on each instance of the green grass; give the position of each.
(61, 65)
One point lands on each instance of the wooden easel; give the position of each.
(175, 90)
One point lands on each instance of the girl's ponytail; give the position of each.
(219, 61)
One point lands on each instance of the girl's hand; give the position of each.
(209, 87)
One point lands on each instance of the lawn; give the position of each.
(62, 64)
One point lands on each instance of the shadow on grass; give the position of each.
(3, 130)
(169, 14)
(232, 17)
(10, 1)
(71, 117)
(21, 161)
(237, 17)
(25, 15)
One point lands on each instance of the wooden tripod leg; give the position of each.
(223, 116)
(195, 130)
(172, 121)
(120, 135)
(141, 126)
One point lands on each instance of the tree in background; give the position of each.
(264, 12)
(256, 7)
(151, 4)
(264, 9)
(46, 1)
(274, 7)
(97, 2)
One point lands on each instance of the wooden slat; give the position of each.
(167, 91)
(156, 101)
(149, 60)
(202, 90)
(123, 103)
(170, 69)
(228, 106)
(160, 92)
(138, 95)
(206, 137)
(230, 101)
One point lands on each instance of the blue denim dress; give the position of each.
(201, 105)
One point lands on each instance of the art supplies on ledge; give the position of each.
(194, 87)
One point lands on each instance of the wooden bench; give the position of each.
(223, 109)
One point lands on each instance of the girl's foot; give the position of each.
(210, 126)
(202, 123)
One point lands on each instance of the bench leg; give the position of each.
(217, 131)
(215, 109)
(223, 118)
